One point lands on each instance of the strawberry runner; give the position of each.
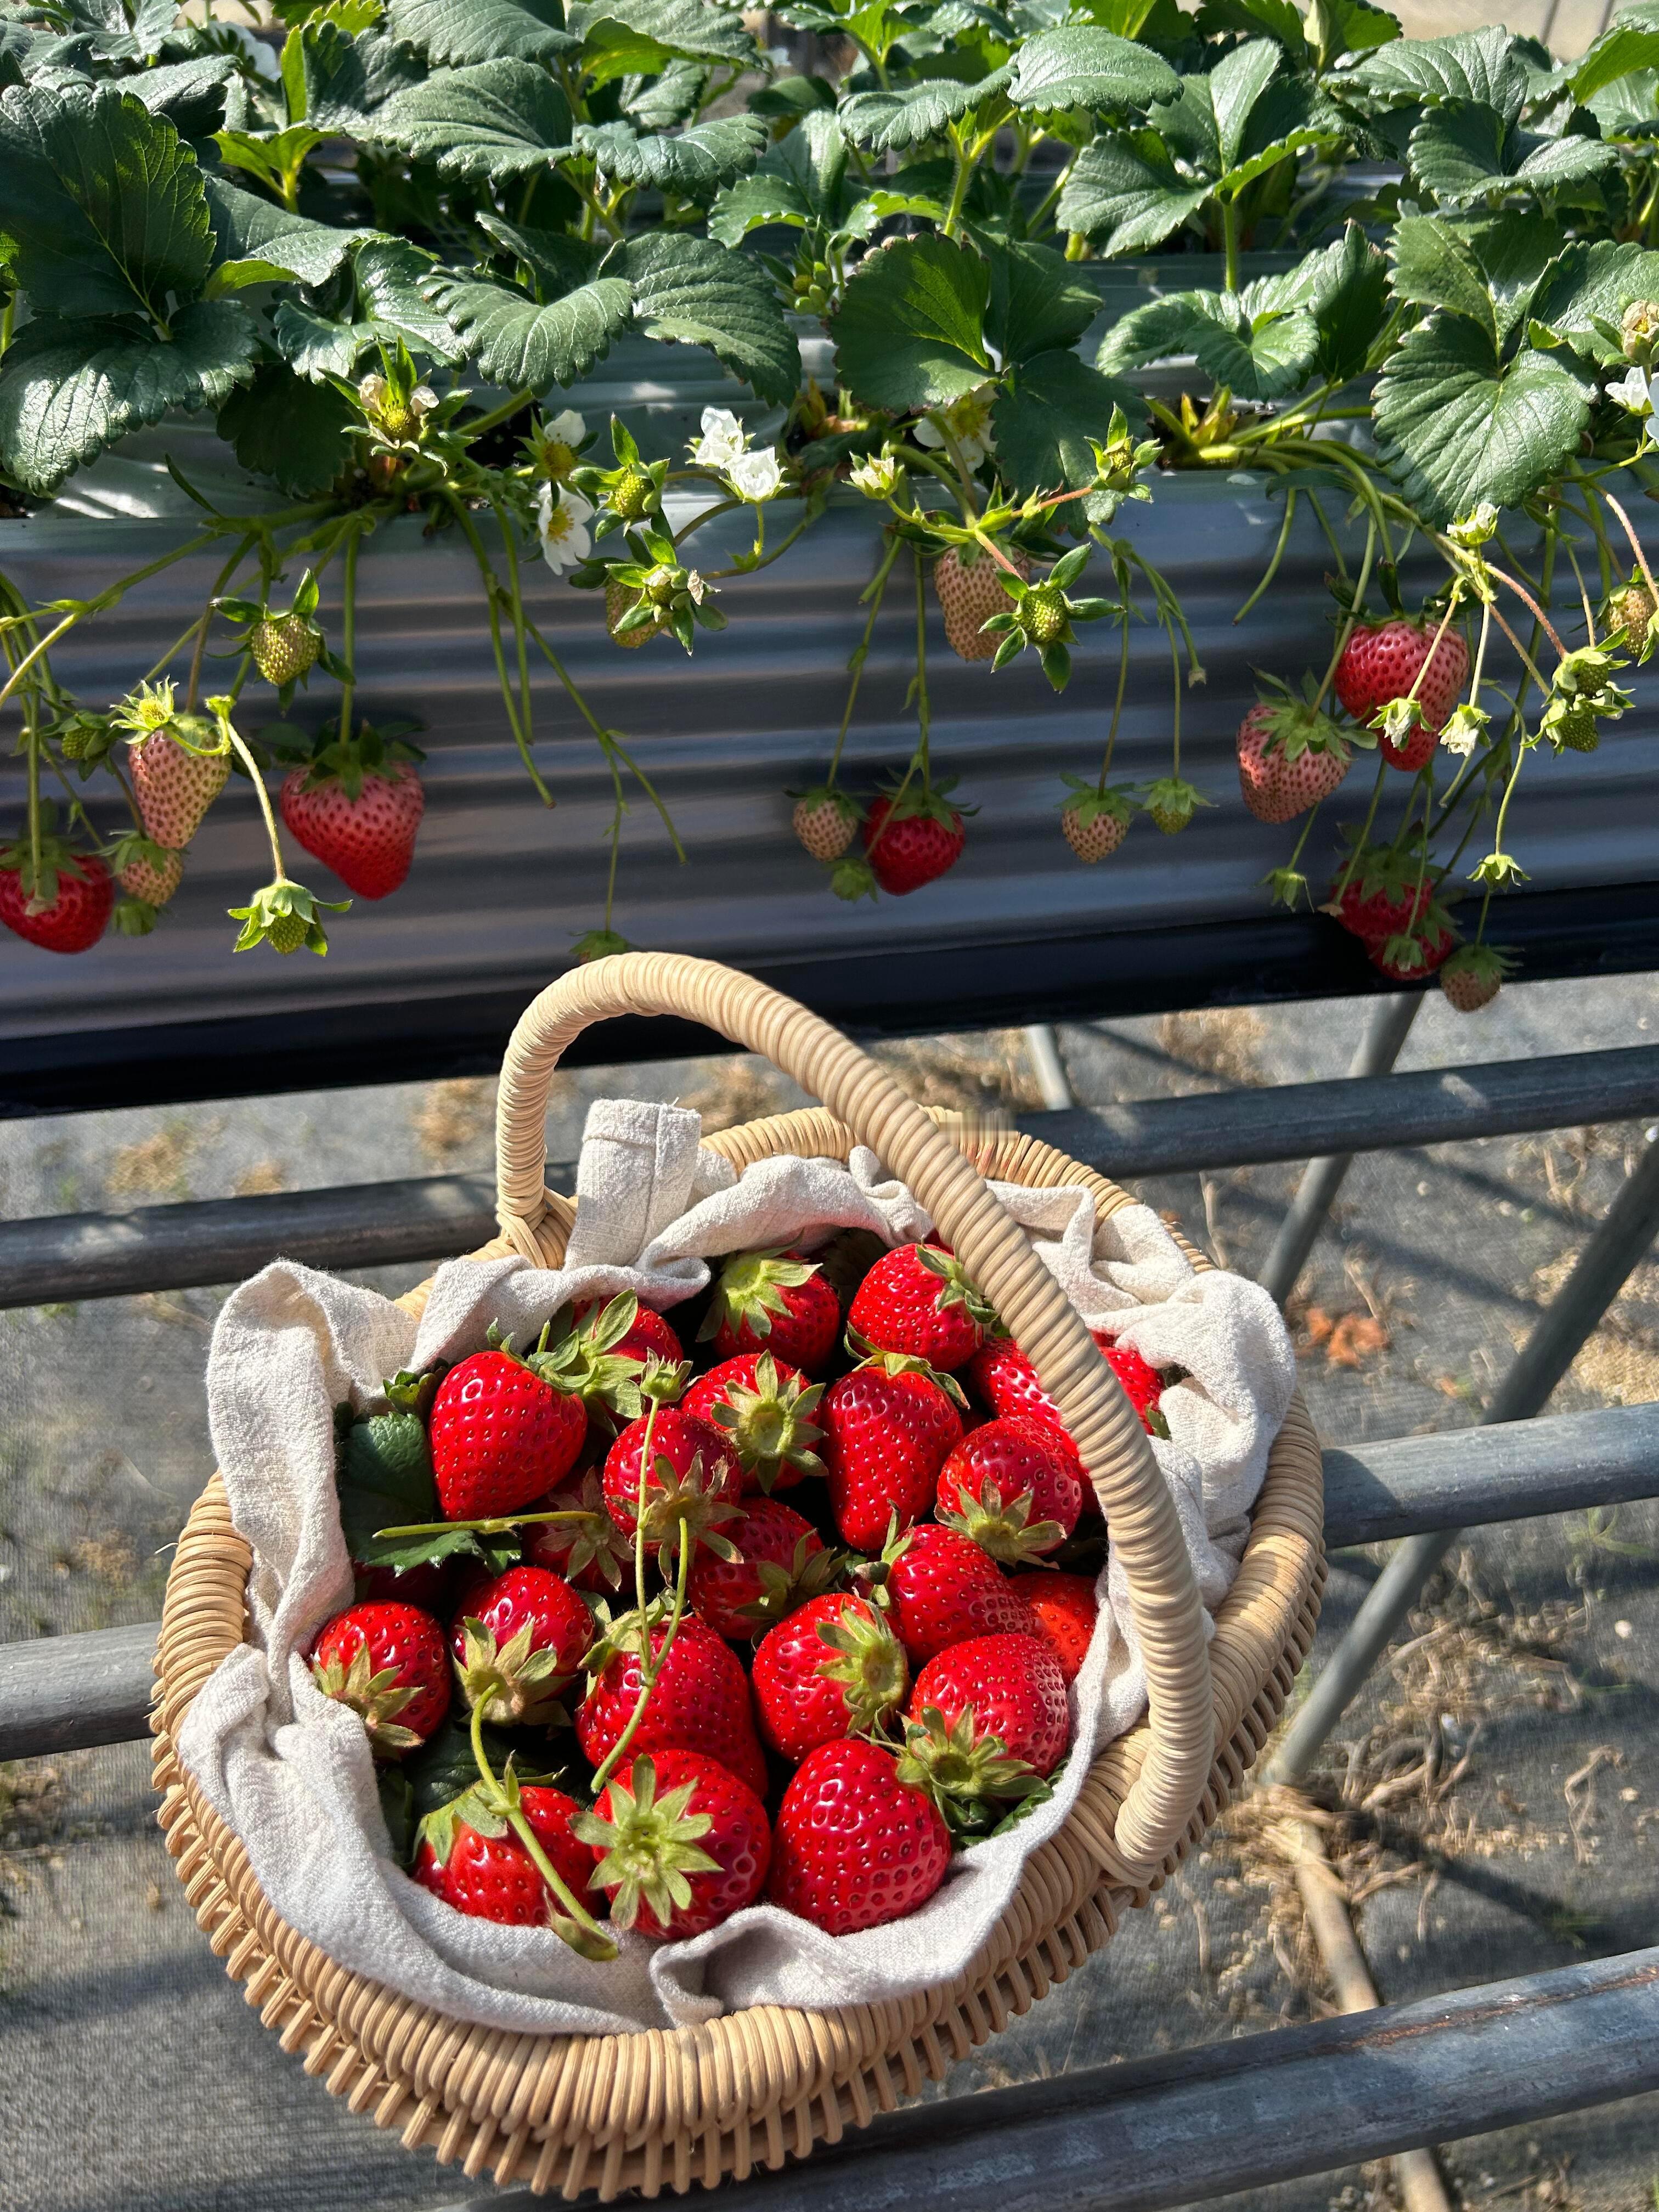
(291, 1771)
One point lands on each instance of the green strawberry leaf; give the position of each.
(487, 124)
(1077, 65)
(1036, 304)
(1044, 424)
(349, 80)
(1263, 354)
(1622, 49)
(890, 121)
(1126, 190)
(456, 32)
(1479, 66)
(68, 389)
(256, 242)
(1591, 284)
(694, 164)
(693, 292)
(103, 212)
(910, 331)
(638, 38)
(191, 95)
(518, 344)
(1458, 425)
(287, 429)
(1464, 153)
(390, 279)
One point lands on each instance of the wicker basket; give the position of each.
(671, 2107)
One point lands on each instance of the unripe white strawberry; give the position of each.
(155, 885)
(1473, 977)
(1092, 837)
(965, 579)
(174, 787)
(284, 647)
(826, 821)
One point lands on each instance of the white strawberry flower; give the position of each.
(561, 521)
(755, 476)
(558, 443)
(1633, 391)
(877, 477)
(968, 420)
(724, 440)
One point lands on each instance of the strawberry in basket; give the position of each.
(938, 1587)
(888, 1429)
(469, 1855)
(834, 1667)
(681, 1843)
(764, 1408)
(698, 1700)
(854, 1844)
(502, 1434)
(1063, 1608)
(517, 1643)
(677, 1479)
(774, 1301)
(1014, 1487)
(388, 1663)
(782, 1562)
(1012, 1688)
(1007, 1382)
(918, 1300)
(604, 1353)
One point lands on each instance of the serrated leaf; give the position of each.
(555, 262)
(390, 274)
(1344, 287)
(691, 291)
(1434, 266)
(1037, 303)
(1462, 153)
(1622, 50)
(190, 93)
(103, 212)
(694, 163)
(1456, 427)
(909, 333)
(1280, 19)
(291, 431)
(316, 346)
(673, 97)
(68, 389)
(522, 345)
(1043, 424)
(455, 33)
(1126, 190)
(1595, 283)
(1260, 355)
(757, 201)
(1472, 66)
(489, 124)
(255, 241)
(624, 38)
(1078, 65)
(1235, 85)
(349, 80)
(889, 122)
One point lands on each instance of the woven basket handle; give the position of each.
(993, 1249)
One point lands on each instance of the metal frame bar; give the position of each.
(70, 1693)
(71, 1256)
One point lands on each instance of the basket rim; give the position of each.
(658, 2107)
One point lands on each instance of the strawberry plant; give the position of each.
(382, 244)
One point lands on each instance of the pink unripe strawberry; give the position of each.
(367, 840)
(826, 821)
(1473, 977)
(1381, 661)
(174, 786)
(965, 579)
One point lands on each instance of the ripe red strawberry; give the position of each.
(1012, 1685)
(501, 1436)
(470, 1857)
(1381, 662)
(1289, 759)
(764, 1410)
(425, 1585)
(700, 1701)
(1008, 1382)
(774, 1301)
(918, 1300)
(681, 1844)
(826, 821)
(1095, 822)
(388, 1663)
(853, 1846)
(1415, 955)
(1473, 977)
(368, 839)
(1014, 1487)
(678, 1475)
(647, 1336)
(75, 894)
(518, 1642)
(965, 581)
(1064, 1610)
(174, 786)
(834, 1667)
(1385, 893)
(888, 1427)
(936, 1587)
(782, 1562)
(1411, 752)
(912, 842)
(590, 1553)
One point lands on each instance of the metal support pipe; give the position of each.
(1386, 1030)
(1631, 1224)
(1048, 1067)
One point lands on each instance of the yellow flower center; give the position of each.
(560, 524)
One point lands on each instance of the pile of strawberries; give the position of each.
(645, 1645)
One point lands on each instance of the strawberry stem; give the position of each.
(497, 1525)
(1635, 543)
(1123, 685)
(228, 730)
(1347, 629)
(875, 593)
(349, 638)
(595, 1943)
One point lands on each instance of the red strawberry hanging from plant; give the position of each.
(357, 804)
(1381, 661)
(1291, 756)
(775, 1300)
(1415, 954)
(1384, 890)
(909, 840)
(51, 896)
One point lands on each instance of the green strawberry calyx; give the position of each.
(583, 1363)
(678, 1511)
(1086, 802)
(1295, 726)
(376, 1698)
(901, 1363)
(809, 1575)
(865, 1662)
(1004, 1527)
(971, 1778)
(958, 1289)
(771, 1425)
(750, 1290)
(516, 1686)
(652, 1844)
(286, 915)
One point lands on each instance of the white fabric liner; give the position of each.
(289, 1771)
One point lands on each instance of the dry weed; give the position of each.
(1220, 1041)
(110, 1557)
(456, 1118)
(988, 1068)
(262, 1180)
(155, 1167)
